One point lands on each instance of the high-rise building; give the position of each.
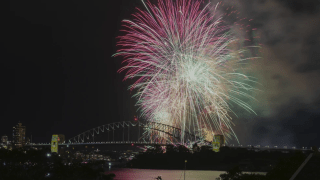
(19, 135)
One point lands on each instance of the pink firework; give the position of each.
(186, 61)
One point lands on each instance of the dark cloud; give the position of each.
(305, 6)
(288, 105)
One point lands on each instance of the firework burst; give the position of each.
(187, 63)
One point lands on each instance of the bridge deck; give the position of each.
(149, 143)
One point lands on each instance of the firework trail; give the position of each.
(187, 63)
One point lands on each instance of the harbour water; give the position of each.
(149, 174)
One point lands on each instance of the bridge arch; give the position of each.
(153, 127)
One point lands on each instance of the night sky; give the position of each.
(58, 76)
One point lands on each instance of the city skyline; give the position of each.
(58, 76)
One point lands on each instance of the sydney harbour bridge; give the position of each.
(133, 132)
(145, 133)
(149, 132)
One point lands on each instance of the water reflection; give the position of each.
(148, 174)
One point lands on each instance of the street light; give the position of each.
(185, 165)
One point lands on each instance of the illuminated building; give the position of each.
(4, 140)
(218, 142)
(19, 135)
(54, 143)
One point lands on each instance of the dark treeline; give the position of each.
(22, 164)
(284, 169)
(206, 159)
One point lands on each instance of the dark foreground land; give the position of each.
(279, 165)
(37, 165)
